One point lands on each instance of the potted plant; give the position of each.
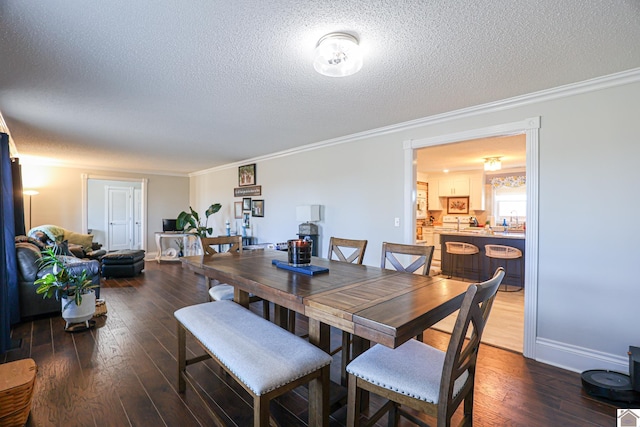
(75, 291)
(191, 222)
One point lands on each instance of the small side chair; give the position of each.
(424, 378)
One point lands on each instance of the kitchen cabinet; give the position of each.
(453, 186)
(434, 203)
(476, 192)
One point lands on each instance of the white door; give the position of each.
(137, 218)
(119, 218)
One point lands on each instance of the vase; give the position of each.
(74, 313)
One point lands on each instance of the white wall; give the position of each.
(588, 293)
(60, 198)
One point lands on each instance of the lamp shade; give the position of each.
(308, 213)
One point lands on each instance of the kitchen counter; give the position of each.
(482, 234)
(479, 270)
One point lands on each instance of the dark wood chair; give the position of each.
(211, 246)
(355, 250)
(336, 245)
(423, 252)
(421, 377)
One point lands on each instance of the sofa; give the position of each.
(28, 252)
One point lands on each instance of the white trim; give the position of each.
(598, 83)
(578, 359)
(529, 127)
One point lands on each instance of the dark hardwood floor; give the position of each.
(123, 371)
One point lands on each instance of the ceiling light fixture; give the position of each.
(492, 163)
(338, 55)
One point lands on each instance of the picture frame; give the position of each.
(257, 208)
(246, 204)
(246, 222)
(247, 175)
(457, 205)
(237, 210)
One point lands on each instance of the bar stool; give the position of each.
(506, 253)
(456, 251)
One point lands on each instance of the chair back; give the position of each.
(424, 254)
(462, 354)
(336, 245)
(211, 245)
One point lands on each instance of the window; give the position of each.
(510, 203)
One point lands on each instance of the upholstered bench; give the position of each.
(263, 358)
(126, 263)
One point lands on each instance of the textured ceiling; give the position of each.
(181, 86)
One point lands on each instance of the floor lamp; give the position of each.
(30, 193)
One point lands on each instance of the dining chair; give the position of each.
(357, 247)
(211, 246)
(423, 252)
(424, 378)
(355, 250)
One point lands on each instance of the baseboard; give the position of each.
(578, 359)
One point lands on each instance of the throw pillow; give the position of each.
(84, 240)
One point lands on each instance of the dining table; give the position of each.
(371, 303)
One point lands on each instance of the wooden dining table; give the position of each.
(374, 304)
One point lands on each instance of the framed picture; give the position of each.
(457, 205)
(246, 204)
(246, 222)
(257, 208)
(237, 210)
(247, 175)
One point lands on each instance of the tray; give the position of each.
(309, 270)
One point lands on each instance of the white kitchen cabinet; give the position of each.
(453, 186)
(434, 203)
(476, 192)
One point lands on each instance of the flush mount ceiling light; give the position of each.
(492, 164)
(338, 55)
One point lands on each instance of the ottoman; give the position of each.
(127, 263)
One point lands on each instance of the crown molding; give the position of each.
(591, 85)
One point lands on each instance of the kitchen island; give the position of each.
(480, 239)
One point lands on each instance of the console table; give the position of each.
(190, 244)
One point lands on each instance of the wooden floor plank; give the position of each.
(123, 372)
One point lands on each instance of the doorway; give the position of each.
(115, 211)
(530, 129)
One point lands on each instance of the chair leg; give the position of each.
(260, 411)
(393, 416)
(353, 403)
(265, 309)
(345, 357)
(468, 409)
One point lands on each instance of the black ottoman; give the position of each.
(122, 263)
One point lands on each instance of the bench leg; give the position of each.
(319, 399)
(182, 357)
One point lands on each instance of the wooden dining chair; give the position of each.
(355, 250)
(423, 252)
(357, 247)
(424, 378)
(211, 246)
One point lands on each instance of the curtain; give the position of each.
(9, 306)
(18, 197)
